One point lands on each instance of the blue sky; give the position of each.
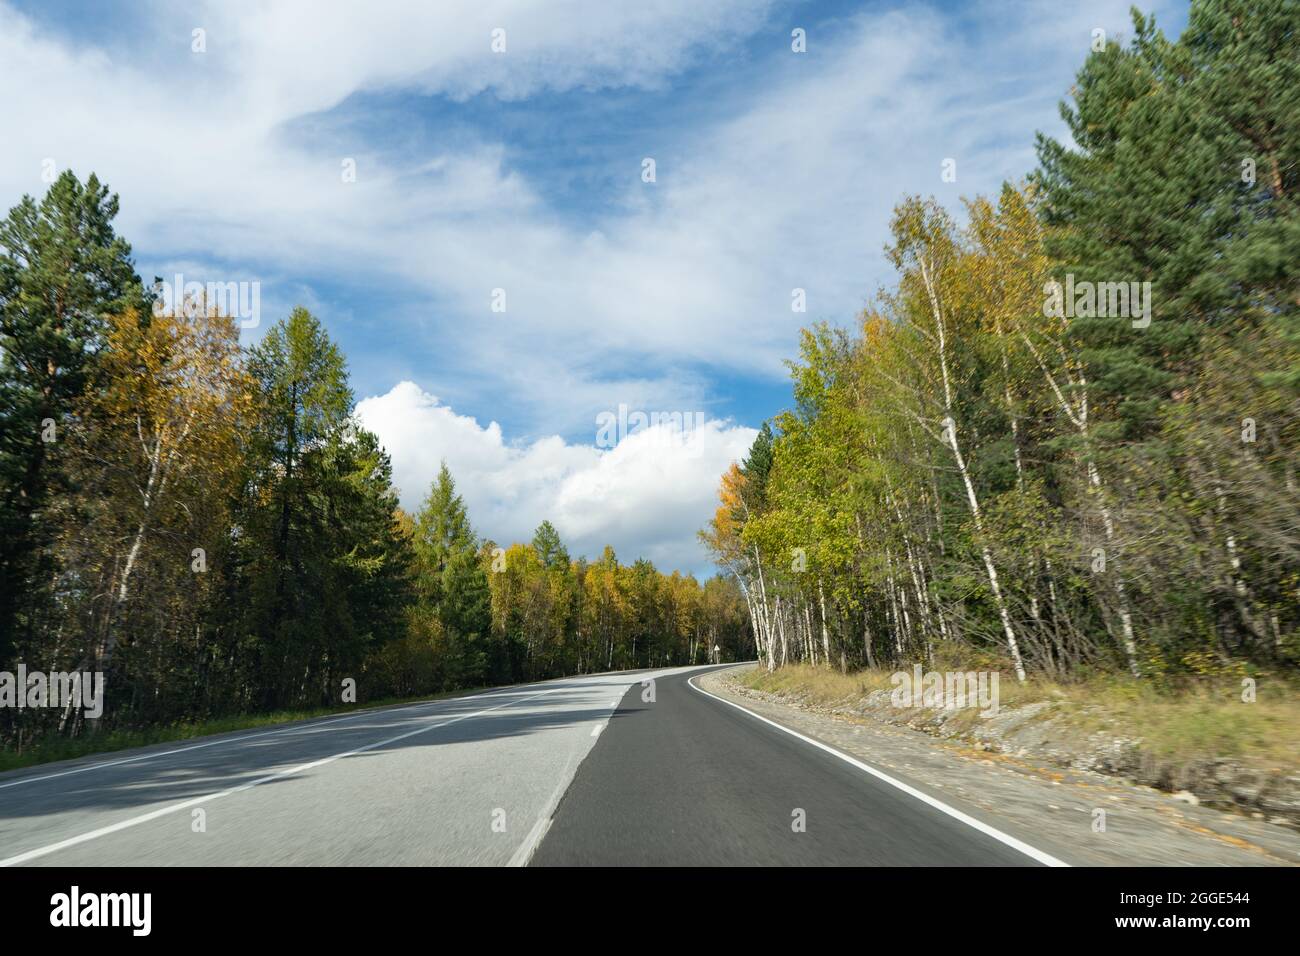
(521, 171)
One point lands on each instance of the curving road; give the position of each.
(576, 771)
(691, 779)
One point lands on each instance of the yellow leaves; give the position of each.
(404, 522)
(722, 535)
(733, 483)
(1008, 258)
(169, 402)
(875, 330)
(170, 366)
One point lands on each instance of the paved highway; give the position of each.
(690, 779)
(576, 771)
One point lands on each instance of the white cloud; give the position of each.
(647, 496)
(231, 160)
(200, 148)
(792, 188)
(303, 56)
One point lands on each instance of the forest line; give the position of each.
(1064, 441)
(208, 529)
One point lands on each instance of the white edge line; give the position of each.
(533, 840)
(309, 724)
(1032, 852)
(175, 807)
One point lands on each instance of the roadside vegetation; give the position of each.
(1064, 441)
(1202, 720)
(207, 526)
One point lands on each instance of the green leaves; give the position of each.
(1185, 174)
(321, 560)
(978, 466)
(214, 524)
(549, 548)
(452, 581)
(63, 269)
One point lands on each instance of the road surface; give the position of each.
(576, 771)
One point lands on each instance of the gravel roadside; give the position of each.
(1059, 810)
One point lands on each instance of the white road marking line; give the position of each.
(535, 836)
(597, 729)
(308, 725)
(175, 807)
(525, 852)
(1029, 851)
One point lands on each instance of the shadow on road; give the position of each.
(238, 761)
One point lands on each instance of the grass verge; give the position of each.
(1203, 721)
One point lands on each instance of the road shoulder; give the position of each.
(1055, 809)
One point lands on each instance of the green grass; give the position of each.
(51, 748)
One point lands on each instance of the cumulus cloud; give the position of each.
(229, 163)
(647, 495)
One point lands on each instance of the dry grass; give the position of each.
(818, 685)
(1205, 720)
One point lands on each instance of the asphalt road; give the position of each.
(576, 771)
(691, 780)
(465, 781)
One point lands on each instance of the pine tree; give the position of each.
(1186, 174)
(452, 580)
(322, 563)
(63, 270)
(547, 544)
